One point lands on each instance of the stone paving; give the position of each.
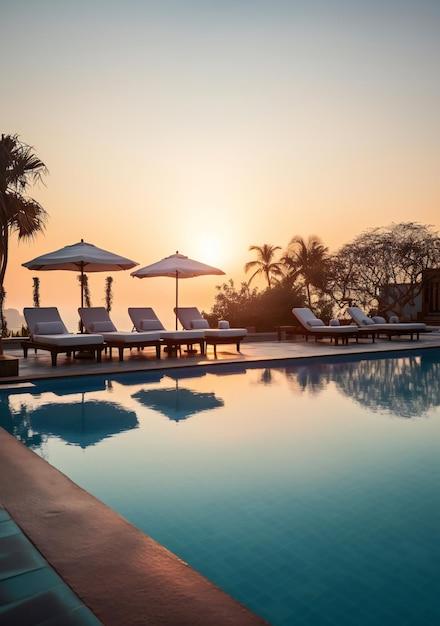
(38, 365)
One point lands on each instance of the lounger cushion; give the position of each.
(49, 328)
(316, 322)
(334, 322)
(223, 324)
(377, 319)
(68, 340)
(336, 331)
(220, 333)
(394, 319)
(150, 325)
(122, 338)
(367, 321)
(178, 335)
(402, 327)
(145, 315)
(199, 324)
(102, 327)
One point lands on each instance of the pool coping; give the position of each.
(122, 575)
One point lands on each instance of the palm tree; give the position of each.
(265, 263)
(19, 168)
(307, 260)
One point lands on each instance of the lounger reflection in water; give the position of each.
(97, 320)
(191, 319)
(145, 319)
(48, 332)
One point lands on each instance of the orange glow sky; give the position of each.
(207, 126)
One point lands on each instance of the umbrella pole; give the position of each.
(177, 294)
(81, 327)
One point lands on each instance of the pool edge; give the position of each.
(119, 573)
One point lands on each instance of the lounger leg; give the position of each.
(157, 352)
(98, 356)
(54, 358)
(121, 354)
(215, 350)
(202, 347)
(25, 351)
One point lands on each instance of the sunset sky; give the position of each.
(207, 126)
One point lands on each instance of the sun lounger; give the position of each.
(191, 319)
(314, 327)
(144, 318)
(48, 332)
(380, 326)
(97, 320)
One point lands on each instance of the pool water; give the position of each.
(308, 490)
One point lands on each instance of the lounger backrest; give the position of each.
(187, 315)
(306, 317)
(96, 320)
(359, 316)
(39, 319)
(144, 318)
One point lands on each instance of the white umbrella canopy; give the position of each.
(81, 257)
(177, 266)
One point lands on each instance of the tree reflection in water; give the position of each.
(403, 386)
(18, 423)
(312, 378)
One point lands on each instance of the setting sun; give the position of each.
(211, 250)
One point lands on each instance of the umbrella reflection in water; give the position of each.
(178, 403)
(83, 423)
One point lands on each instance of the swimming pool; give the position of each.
(308, 490)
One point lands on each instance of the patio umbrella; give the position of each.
(176, 266)
(81, 257)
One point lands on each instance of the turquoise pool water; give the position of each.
(308, 490)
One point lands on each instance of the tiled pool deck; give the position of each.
(65, 558)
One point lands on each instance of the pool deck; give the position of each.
(66, 558)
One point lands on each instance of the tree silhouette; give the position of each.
(307, 261)
(265, 263)
(36, 291)
(19, 168)
(382, 269)
(108, 293)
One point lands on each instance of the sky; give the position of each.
(208, 126)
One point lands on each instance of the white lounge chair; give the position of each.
(380, 326)
(145, 319)
(314, 327)
(48, 332)
(97, 320)
(191, 319)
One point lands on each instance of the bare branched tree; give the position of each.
(382, 268)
